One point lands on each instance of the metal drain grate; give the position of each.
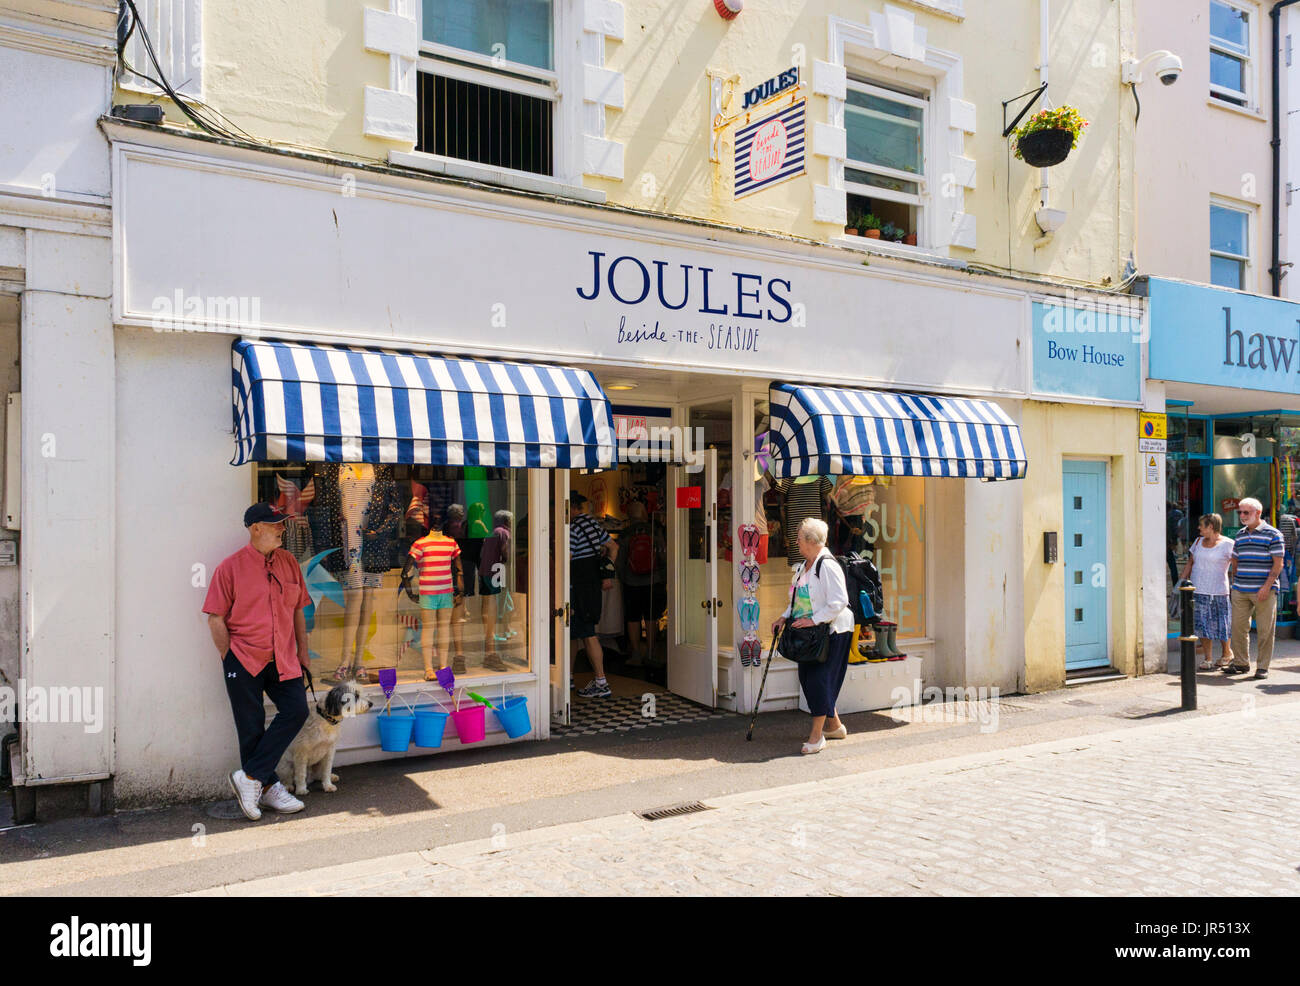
(672, 811)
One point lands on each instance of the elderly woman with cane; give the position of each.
(820, 596)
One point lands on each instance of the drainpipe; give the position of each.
(1044, 49)
(1275, 271)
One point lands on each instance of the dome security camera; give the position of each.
(1168, 68)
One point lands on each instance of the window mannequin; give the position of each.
(356, 511)
(803, 497)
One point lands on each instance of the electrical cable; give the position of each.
(196, 112)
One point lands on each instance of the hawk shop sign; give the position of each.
(770, 150)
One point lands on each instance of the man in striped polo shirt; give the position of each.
(588, 542)
(1256, 563)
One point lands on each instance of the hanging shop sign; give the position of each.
(772, 87)
(1224, 338)
(771, 150)
(1088, 349)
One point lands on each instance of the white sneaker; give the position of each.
(247, 791)
(277, 796)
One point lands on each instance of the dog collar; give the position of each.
(328, 718)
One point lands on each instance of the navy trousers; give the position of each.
(821, 683)
(260, 745)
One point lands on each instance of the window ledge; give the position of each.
(469, 170)
(886, 248)
(1239, 110)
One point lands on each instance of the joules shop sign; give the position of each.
(687, 304)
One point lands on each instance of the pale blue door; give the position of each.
(1087, 578)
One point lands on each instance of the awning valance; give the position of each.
(322, 403)
(840, 431)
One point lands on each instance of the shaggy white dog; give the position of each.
(311, 754)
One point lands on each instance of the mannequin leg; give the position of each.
(352, 606)
(428, 639)
(363, 624)
(489, 609)
(445, 625)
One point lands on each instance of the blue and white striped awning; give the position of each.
(319, 403)
(840, 431)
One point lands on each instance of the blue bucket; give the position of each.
(512, 713)
(430, 724)
(395, 731)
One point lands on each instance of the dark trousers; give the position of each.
(260, 745)
(821, 683)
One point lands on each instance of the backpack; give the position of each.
(641, 553)
(862, 579)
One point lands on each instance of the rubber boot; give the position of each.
(891, 642)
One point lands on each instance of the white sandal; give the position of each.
(841, 733)
(814, 747)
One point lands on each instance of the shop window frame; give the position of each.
(868, 85)
(561, 86)
(538, 614)
(1244, 260)
(1242, 99)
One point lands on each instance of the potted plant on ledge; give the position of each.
(1047, 137)
(852, 222)
(871, 226)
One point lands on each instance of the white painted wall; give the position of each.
(1190, 148)
(179, 506)
(48, 115)
(67, 518)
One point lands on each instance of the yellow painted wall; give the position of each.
(293, 72)
(1053, 432)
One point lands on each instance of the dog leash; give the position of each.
(311, 686)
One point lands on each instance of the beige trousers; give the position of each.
(1245, 605)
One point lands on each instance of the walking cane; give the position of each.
(749, 736)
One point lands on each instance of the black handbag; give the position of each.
(804, 645)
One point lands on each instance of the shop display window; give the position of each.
(883, 516)
(353, 528)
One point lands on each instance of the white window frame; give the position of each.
(858, 82)
(1244, 99)
(565, 77)
(1247, 268)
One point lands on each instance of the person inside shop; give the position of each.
(1209, 558)
(254, 607)
(820, 596)
(641, 571)
(493, 577)
(589, 544)
(1256, 564)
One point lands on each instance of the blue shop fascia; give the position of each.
(1229, 364)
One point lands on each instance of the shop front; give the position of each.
(1230, 373)
(423, 369)
(1083, 497)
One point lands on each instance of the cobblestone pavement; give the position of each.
(1184, 806)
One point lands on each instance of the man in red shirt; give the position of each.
(254, 607)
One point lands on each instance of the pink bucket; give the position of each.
(471, 726)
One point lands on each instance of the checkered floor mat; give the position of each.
(596, 716)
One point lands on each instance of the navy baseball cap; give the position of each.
(263, 513)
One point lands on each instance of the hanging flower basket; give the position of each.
(1045, 148)
(1047, 137)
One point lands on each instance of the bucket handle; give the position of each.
(433, 695)
(402, 699)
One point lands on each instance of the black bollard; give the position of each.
(1187, 646)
